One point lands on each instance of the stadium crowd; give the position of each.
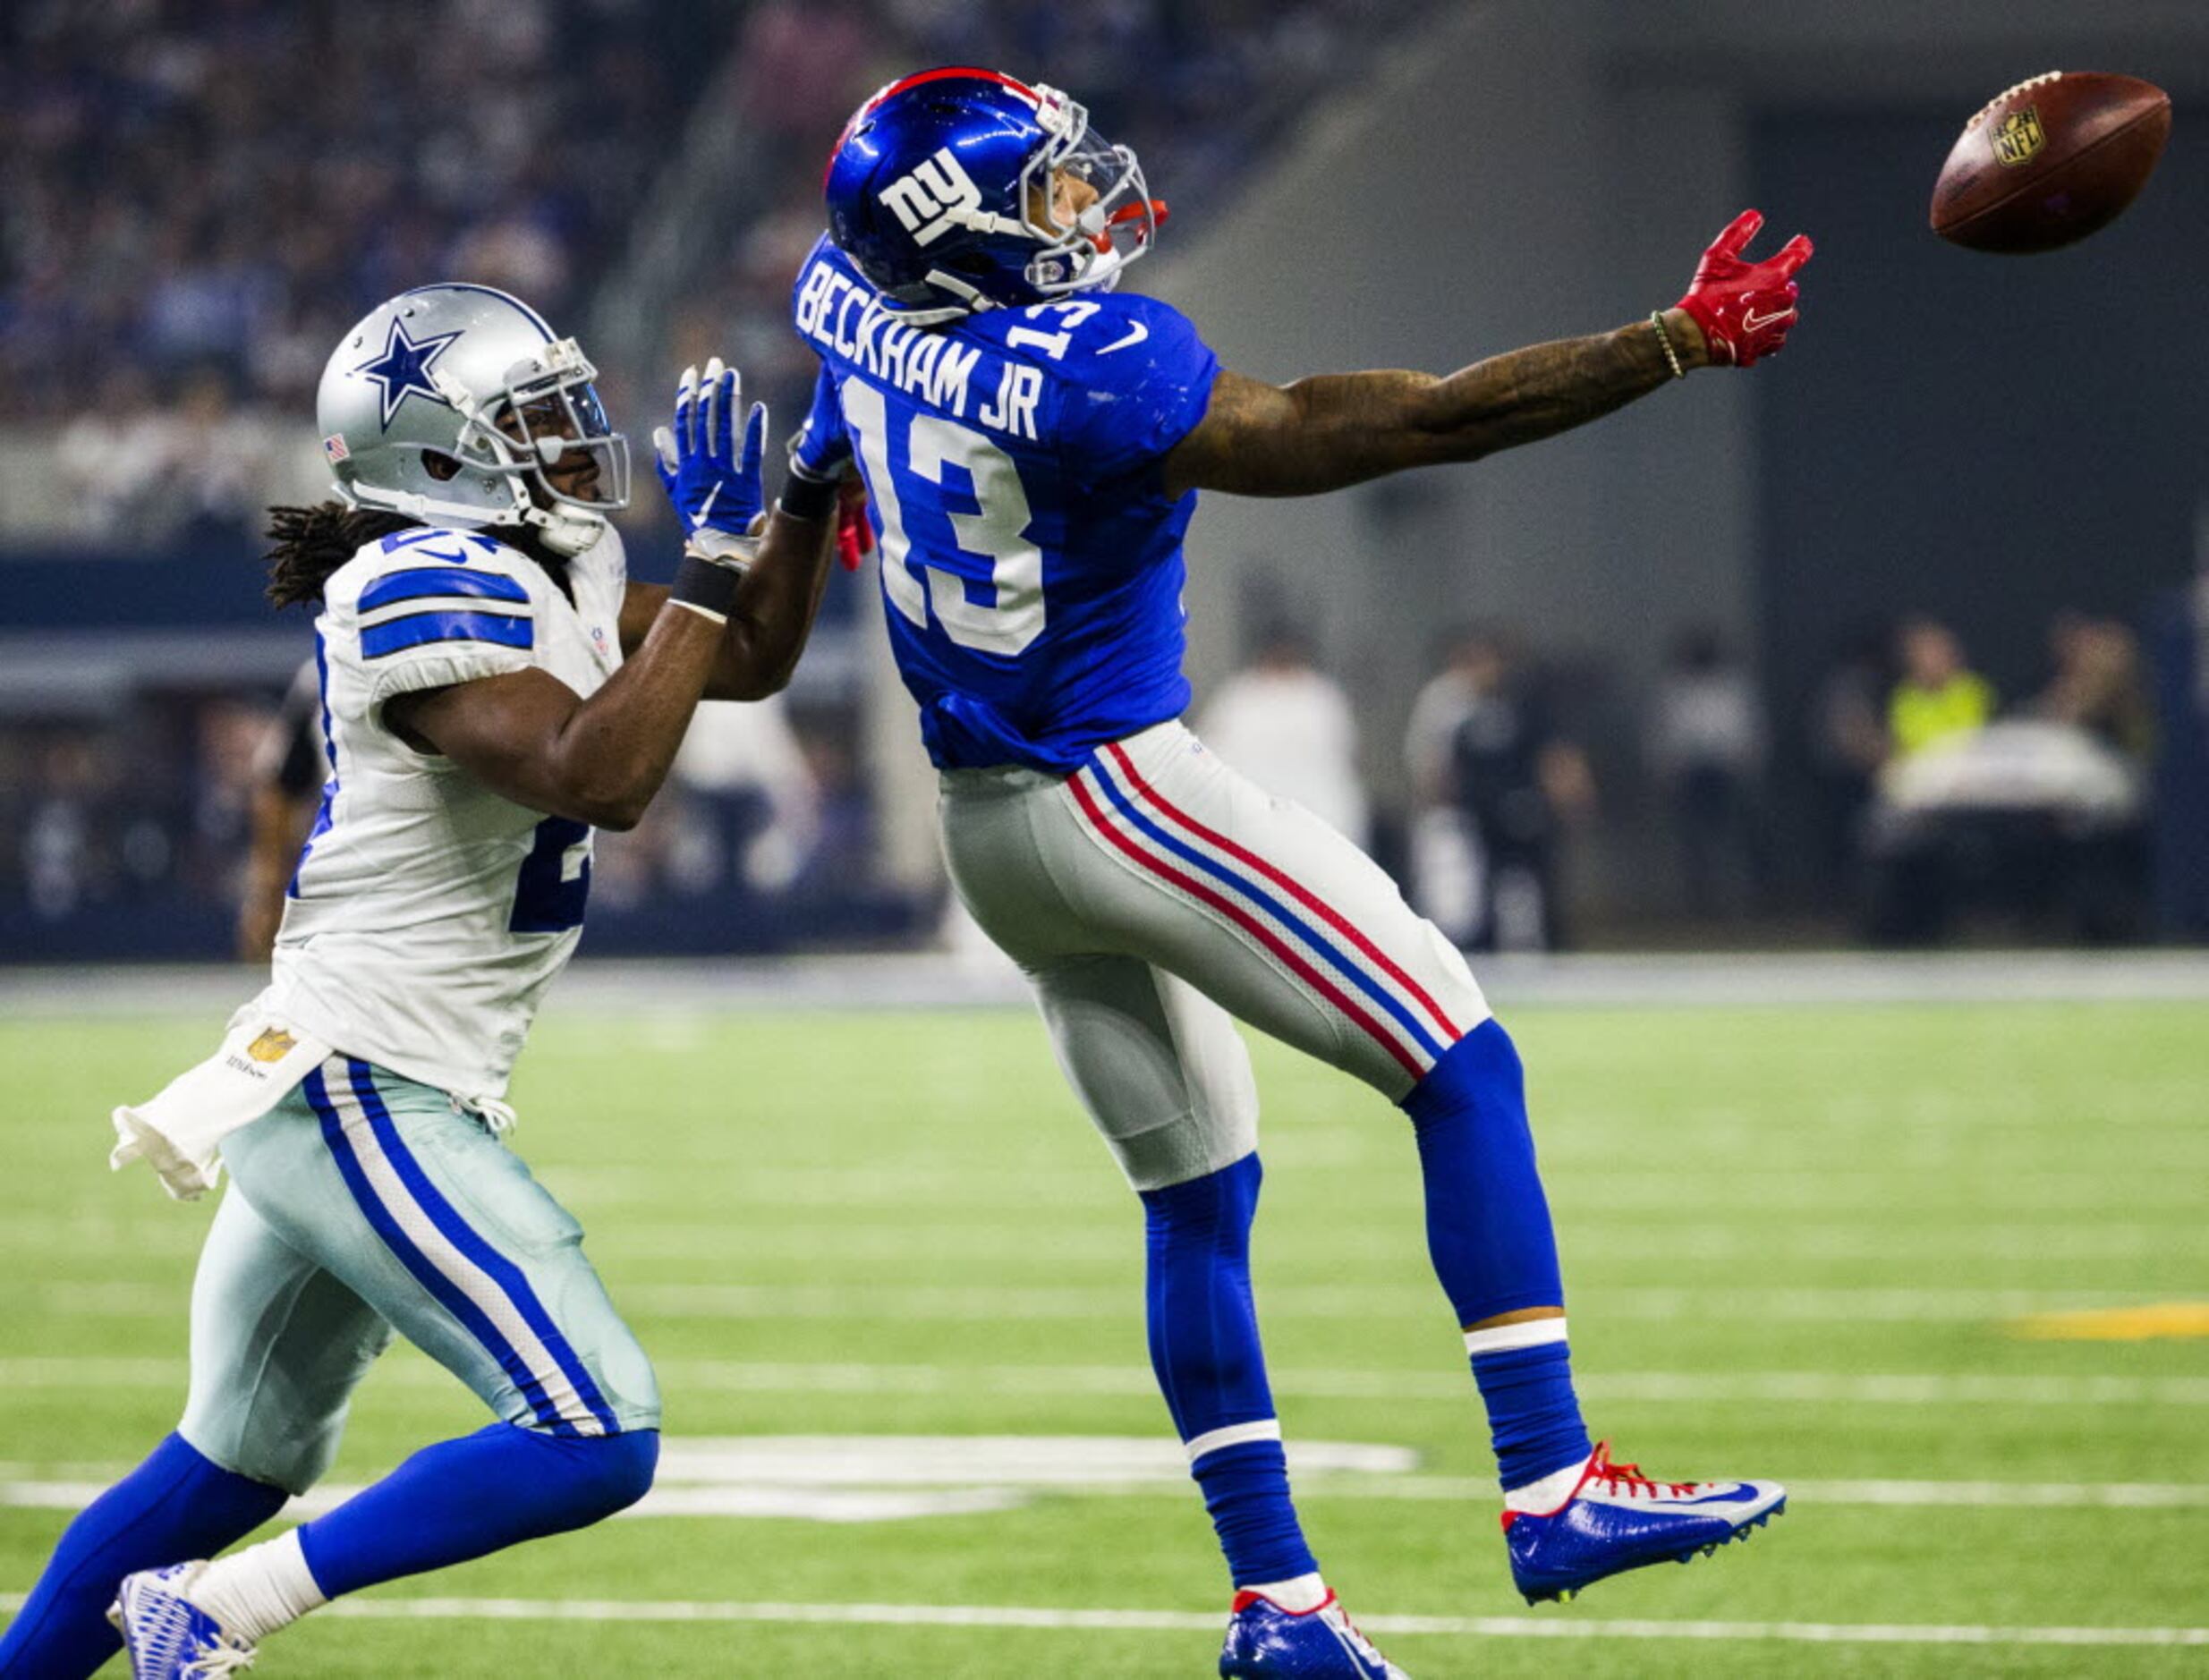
(196, 200)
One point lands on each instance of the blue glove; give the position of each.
(821, 449)
(716, 491)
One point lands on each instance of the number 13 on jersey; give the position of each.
(997, 533)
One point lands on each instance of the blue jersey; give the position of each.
(1031, 560)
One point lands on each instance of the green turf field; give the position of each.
(1797, 1240)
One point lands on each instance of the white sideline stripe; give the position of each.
(1233, 1435)
(2114, 1496)
(1199, 1621)
(464, 1274)
(772, 1500)
(1134, 1380)
(1507, 1338)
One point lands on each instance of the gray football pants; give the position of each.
(365, 1203)
(1155, 894)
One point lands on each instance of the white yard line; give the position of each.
(862, 1504)
(994, 1303)
(994, 1615)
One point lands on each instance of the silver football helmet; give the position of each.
(447, 404)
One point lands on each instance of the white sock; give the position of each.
(1296, 1595)
(255, 1591)
(1552, 1490)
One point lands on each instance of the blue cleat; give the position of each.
(1618, 1519)
(169, 1637)
(1266, 1642)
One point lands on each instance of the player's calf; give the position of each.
(450, 1503)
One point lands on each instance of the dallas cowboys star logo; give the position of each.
(404, 367)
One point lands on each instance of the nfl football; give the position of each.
(2051, 161)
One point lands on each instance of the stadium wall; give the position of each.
(1522, 171)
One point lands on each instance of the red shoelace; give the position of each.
(1628, 1478)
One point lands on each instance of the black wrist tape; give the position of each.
(807, 498)
(701, 584)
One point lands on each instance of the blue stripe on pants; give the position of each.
(502, 1271)
(447, 1294)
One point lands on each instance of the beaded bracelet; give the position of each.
(1664, 339)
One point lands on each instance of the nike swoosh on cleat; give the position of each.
(1738, 1491)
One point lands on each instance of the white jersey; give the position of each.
(429, 913)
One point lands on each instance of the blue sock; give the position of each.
(1533, 1416)
(1490, 1237)
(461, 1499)
(177, 1505)
(1204, 1348)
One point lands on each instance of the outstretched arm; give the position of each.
(1337, 430)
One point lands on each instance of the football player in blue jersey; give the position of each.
(492, 685)
(1032, 443)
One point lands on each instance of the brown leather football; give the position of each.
(2051, 161)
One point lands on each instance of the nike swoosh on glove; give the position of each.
(713, 485)
(1744, 309)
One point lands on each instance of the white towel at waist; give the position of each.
(179, 1132)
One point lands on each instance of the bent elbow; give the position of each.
(617, 810)
(618, 819)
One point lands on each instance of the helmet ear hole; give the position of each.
(440, 466)
(969, 262)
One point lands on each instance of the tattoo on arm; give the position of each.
(1337, 430)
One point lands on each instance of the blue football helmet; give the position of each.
(946, 189)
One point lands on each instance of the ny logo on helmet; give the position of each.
(934, 199)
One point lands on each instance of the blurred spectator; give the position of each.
(1849, 743)
(1938, 696)
(2098, 684)
(1705, 745)
(1482, 740)
(289, 769)
(1290, 728)
(756, 805)
(116, 457)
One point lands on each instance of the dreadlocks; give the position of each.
(312, 542)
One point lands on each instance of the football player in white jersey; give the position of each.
(493, 688)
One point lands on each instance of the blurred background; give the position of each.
(1903, 640)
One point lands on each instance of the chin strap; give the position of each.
(566, 531)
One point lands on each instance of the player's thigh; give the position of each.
(1159, 1065)
(442, 1228)
(1264, 907)
(278, 1345)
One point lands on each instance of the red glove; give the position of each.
(1744, 309)
(854, 532)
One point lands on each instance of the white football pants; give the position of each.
(1155, 892)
